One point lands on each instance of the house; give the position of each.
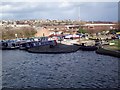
(62, 29)
(42, 32)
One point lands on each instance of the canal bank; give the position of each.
(109, 50)
(104, 51)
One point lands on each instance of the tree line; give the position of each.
(13, 33)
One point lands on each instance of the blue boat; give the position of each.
(27, 45)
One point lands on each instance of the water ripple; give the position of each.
(78, 70)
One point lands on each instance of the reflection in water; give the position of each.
(78, 70)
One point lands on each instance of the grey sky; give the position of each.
(103, 11)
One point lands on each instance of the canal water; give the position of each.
(80, 69)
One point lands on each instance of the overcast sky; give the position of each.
(93, 11)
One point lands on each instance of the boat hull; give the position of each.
(88, 48)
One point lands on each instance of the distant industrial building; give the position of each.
(97, 27)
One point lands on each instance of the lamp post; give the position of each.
(16, 36)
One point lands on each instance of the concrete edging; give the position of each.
(63, 50)
(108, 52)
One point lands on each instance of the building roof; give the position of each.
(100, 24)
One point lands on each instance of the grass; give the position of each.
(114, 47)
(117, 43)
